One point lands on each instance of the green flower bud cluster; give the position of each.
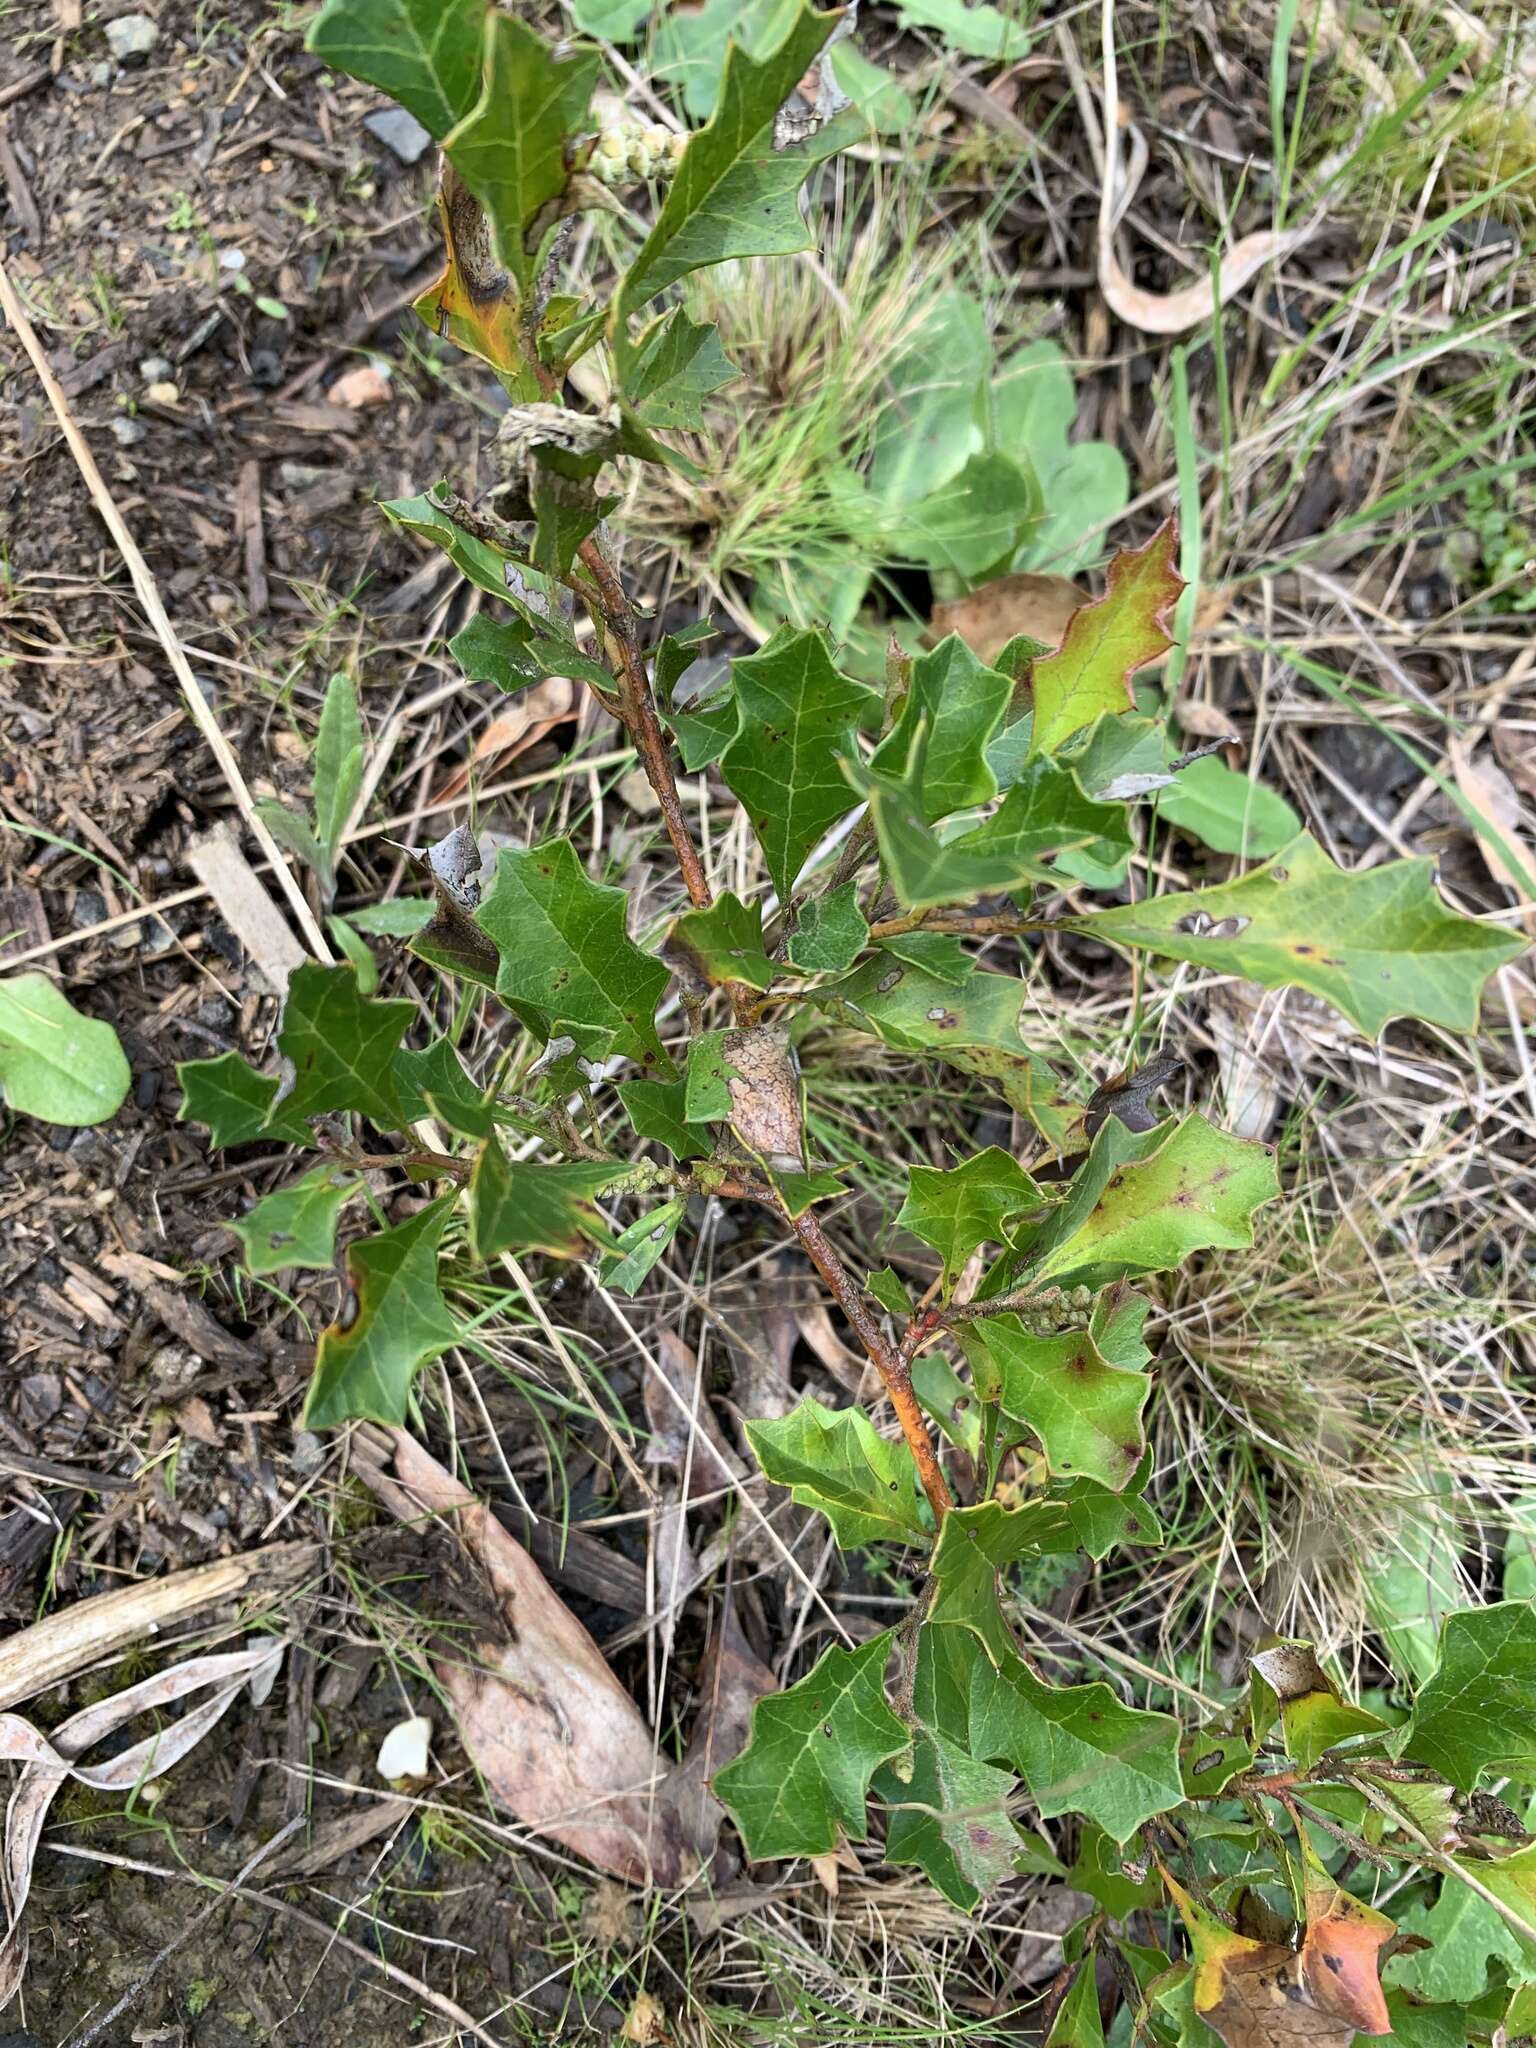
(1064, 1308)
(623, 155)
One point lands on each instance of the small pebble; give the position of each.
(401, 133)
(155, 369)
(128, 433)
(102, 74)
(308, 1453)
(90, 907)
(164, 393)
(131, 38)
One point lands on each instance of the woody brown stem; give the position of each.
(637, 710)
(979, 925)
(894, 1371)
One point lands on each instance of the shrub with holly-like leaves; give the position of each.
(898, 830)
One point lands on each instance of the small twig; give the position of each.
(154, 610)
(979, 924)
(180, 1939)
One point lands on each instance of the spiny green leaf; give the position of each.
(939, 955)
(1377, 943)
(658, 1111)
(524, 1205)
(1105, 643)
(721, 944)
(1467, 1935)
(957, 703)
(1085, 1411)
(235, 1102)
(296, 1226)
(1077, 2023)
(975, 1028)
(941, 1392)
(341, 1045)
(637, 1248)
(433, 1082)
(948, 1815)
(922, 868)
(955, 1209)
(424, 53)
(805, 1771)
(796, 713)
(834, 1461)
(1477, 1714)
(512, 653)
(1099, 1872)
(1045, 812)
(397, 1322)
(733, 194)
(1075, 1746)
(1142, 1201)
(800, 1191)
(831, 934)
(55, 1063)
(566, 958)
(677, 364)
(501, 574)
(339, 750)
(510, 148)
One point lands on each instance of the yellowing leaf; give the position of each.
(1377, 943)
(1340, 1953)
(1088, 676)
(474, 303)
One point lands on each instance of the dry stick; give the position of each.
(149, 598)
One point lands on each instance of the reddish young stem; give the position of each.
(894, 1370)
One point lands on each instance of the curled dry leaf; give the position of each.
(997, 612)
(765, 1095)
(1254, 1997)
(1496, 801)
(531, 714)
(731, 1682)
(559, 1741)
(49, 1761)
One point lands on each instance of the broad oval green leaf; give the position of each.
(55, 1063)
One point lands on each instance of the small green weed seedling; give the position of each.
(899, 828)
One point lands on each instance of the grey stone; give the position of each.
(102, 74)
(90, 907)
(155, 369)
(302, 476)
(126, 432)
(132, 37)
(400, 132)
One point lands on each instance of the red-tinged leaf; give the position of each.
(1251, 1992)
(1340, 1955)
(1089, 675)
